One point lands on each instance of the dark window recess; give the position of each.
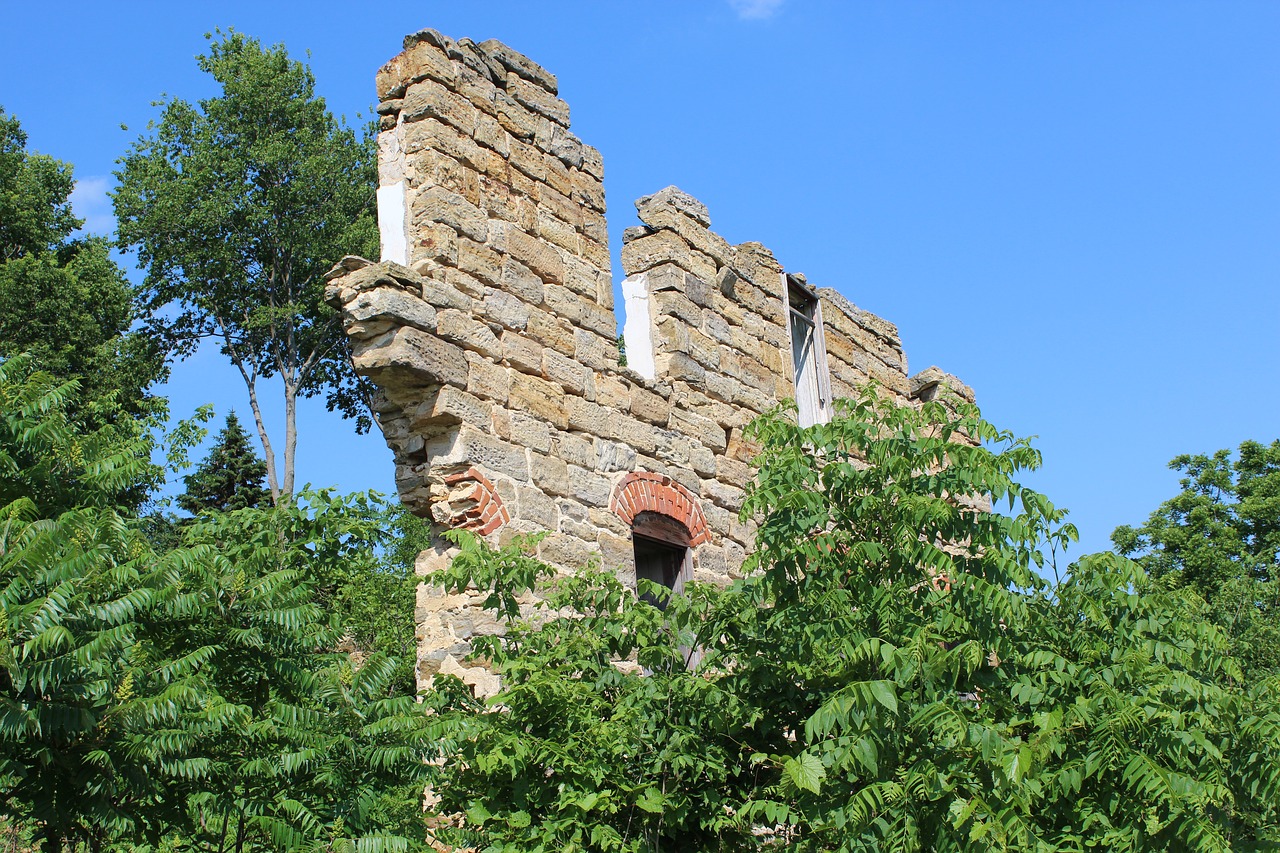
(662, 553)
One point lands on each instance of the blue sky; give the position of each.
(1075, 207)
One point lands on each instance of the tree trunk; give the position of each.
(290, 435)
(272, 480)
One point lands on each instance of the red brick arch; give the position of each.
(475, 504)
(644, 492)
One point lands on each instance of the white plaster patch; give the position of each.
(391, 223)
(637, 333)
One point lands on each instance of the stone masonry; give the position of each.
(489, 330)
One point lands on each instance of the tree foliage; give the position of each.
(1220, 535)
(238, 207)
(230, 477)
(892, 674)
(63, 300)
(194, 691)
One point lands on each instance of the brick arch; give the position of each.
(474, 504)
(644, 492)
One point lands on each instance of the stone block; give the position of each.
(566, 551)
(521, 282)
(537, 255)
(447, 406)
(432, 135)
(521, 353)
(611, 456)
(595, 351)
(506, 309)
(528, 431)
(574, 449)
(551, 331)
(419, 62)
(410, 355)
(573, 377)
(520, 64)
(541, 399)
(429, 99)
(538, 100)
(487, 380)
(722, 494)
(650, 406)
(437, 204)
(391, 304)
(533, 505)
(589, 487)
(550, 474)
(462, 329)
(479, 261)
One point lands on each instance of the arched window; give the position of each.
(662, 553)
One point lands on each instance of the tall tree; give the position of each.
(1220, 535)
(229, 478)
(237, 208)
(65, 300)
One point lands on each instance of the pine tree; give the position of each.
(230, 477)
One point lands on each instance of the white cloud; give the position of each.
(89, 201)
(756, 10)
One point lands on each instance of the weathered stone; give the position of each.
(500, 390)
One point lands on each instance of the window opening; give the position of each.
(808, 357)
(662, 554)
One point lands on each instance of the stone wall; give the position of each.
(489, 330)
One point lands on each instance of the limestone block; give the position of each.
(722, 494)
(588, 417)
(469, 54)
(732, 472)
(520, 64)
(696, 235)
(556, 175)
(432, 135)
(437, 204)
(574, 449)
(514, 118)
(664, 247)
(541, 399)
(489, 133)
(550, 474)
(569, 374)
(521, 282)
(428, 99)
(538, 99)
(702, 429)
(565, 551)
(612, 392)
(702, 460)
(536, 507)
(650, 406)
(617, 554)
(550, 228)
(606, 519)
(441, 295)
(492, 454)
(521, 353)
(409, 354)
(678, 366)
(611, 456)
(506, 309)
(592, 162)
(479, 261)
(672, 305)
(741, 448)
(583, 530)
(601, 320)
(587, 190)
(527, 431)
(563, 302)
(391, 304)
(449, 405)
(535, 254)
(460, 328)
(595, 351)
(551, 331)
(674, 199)
(589, 487)
(528, 160)
(487, 380)
(421, 61)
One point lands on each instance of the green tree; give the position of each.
(62, 299)
(892, 674)
(1220, 535)
(229, 478)
(238, 208)
(195, 691)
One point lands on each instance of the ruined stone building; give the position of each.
(490, 331)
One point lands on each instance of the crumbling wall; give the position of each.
(489, 330)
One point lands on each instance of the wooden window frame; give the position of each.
(821, 370)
